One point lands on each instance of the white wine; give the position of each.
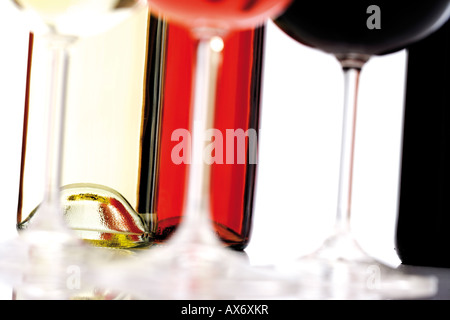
(50, 7)
(103, 136)
(79, 17)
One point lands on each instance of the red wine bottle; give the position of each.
(237, 109)
(422, 236)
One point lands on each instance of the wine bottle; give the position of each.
(422, 236)
(236, 120)
(102, 136)
(120, 185)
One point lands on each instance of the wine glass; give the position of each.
(193, 263)
(48, 261)
(353, 31)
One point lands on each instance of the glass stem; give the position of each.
(351, 78)
(49, 214)
(196, 222)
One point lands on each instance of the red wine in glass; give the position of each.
(362, 26)
(219, 14)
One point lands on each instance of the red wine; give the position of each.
(220, 13)
(237, 107)
(422, 236)
(370, 27)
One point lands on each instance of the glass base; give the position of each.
(341, 270)
(49, 264)
(195, 272)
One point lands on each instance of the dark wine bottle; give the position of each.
(422, 236)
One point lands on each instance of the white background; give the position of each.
(299, 146)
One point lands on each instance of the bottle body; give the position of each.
(233, 172)
(423, 219)
(102, 144)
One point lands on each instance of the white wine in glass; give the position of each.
(76, 17)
